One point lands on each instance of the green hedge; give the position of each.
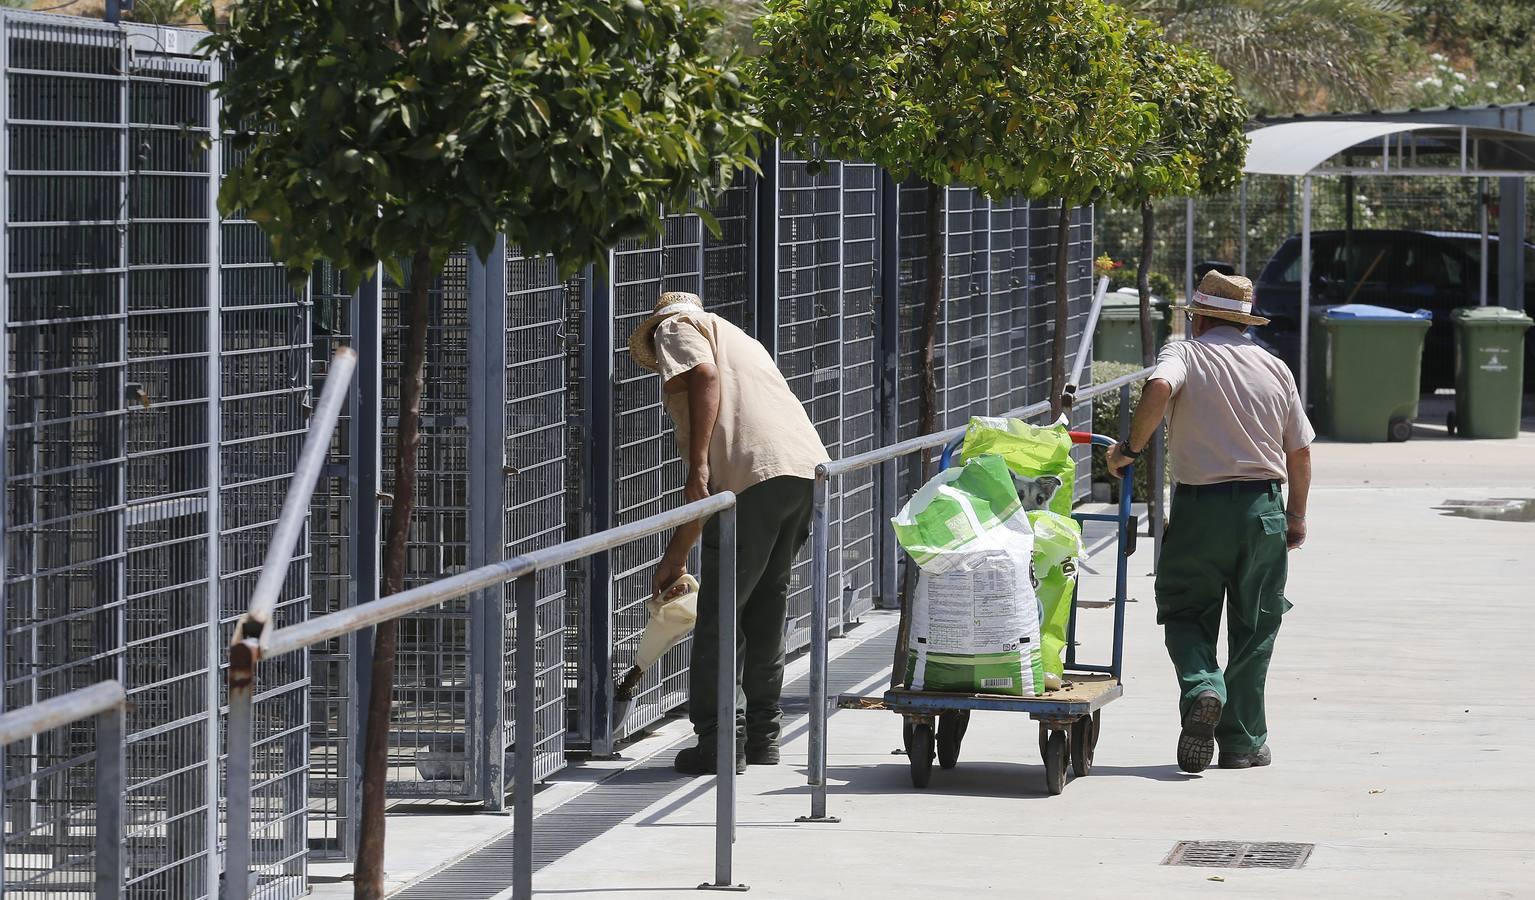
(1106, 421)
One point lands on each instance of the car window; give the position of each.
(1433, 267)
(1323, 257)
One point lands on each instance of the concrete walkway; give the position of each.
(1402, 734)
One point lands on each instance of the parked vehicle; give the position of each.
(1406, 270)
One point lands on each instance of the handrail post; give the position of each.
(725, 713)
(240, 734)
(819, 649)
(525, 595)
(110, 730)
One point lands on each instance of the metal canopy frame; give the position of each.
(1375, 147)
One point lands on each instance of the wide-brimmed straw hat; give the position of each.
(641, 348)
(1228, 297)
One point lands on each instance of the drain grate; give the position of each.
(1239, 854)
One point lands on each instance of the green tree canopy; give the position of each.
(370, 130)
(1011, 97)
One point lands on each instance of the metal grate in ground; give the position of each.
(1239, 854)
(487, 872)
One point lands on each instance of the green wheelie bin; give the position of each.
(1371, 367)
(1118, 338)
(1489, 372)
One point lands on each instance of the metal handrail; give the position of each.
(108, 703)
(820, 625)
(251, 645)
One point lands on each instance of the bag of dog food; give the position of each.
(975, 616)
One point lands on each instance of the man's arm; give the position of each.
(1298, 467)
(702, 383)
(1148, 418)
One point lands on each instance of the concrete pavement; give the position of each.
(1401, 728)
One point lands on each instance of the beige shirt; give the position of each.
(762, 431)
(1235, 409)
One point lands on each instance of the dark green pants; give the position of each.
(772, 522)
(1224, 549)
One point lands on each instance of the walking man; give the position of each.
(739, 428)
(1238, 433)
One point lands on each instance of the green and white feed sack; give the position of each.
(975, 616)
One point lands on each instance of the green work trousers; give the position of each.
(1224, 548)
(772, 522)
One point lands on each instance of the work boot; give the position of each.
(764, 754)
(1196, 745)
(1254, 760)
(700, 760)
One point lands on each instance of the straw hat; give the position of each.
(641, 348)
(1228, 297)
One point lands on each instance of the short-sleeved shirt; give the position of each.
(762, 430)
(1235, 409)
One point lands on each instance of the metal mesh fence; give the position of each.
(155, 388)
(159, 374)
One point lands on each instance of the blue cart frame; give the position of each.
(934, 723)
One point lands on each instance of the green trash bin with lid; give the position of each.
(1371, 367)
(1118, 338)
(1489, 371)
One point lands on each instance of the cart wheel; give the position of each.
(1055, 763)
(1399, 430)
(1084, 739)
(919, 750)
(951, 733)
(1451, 423)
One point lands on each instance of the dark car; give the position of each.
(1406, 270)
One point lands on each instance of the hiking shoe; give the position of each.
(1196, 745)
(762, 755)
(700, 761)
(1254, 760)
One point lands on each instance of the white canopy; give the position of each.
(1419, 148)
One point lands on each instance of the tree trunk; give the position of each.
(1143, 283)
(369, 874)
(1062, 312)
(932, 307)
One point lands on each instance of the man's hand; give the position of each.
(697, 487)
(668, 571)
(1295, 532)
(1118, 462)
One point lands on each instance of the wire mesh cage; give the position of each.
(156, 385)
(50, 814)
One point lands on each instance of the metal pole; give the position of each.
(725, 740)
(889, 346)
(525, 595)
(240, 734)
(1305, 291)
(1121, 574)
(1188, 248)
(1481, 203)
(597, 638)
(363, 544)
(110, 731)
(1242, 221)
(486, 294)
(295, 507)
(819, 528)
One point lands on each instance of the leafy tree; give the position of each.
(1482, 51)
(1008, 96)
(1292, 55)
(396, 133)
(1199, 146)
